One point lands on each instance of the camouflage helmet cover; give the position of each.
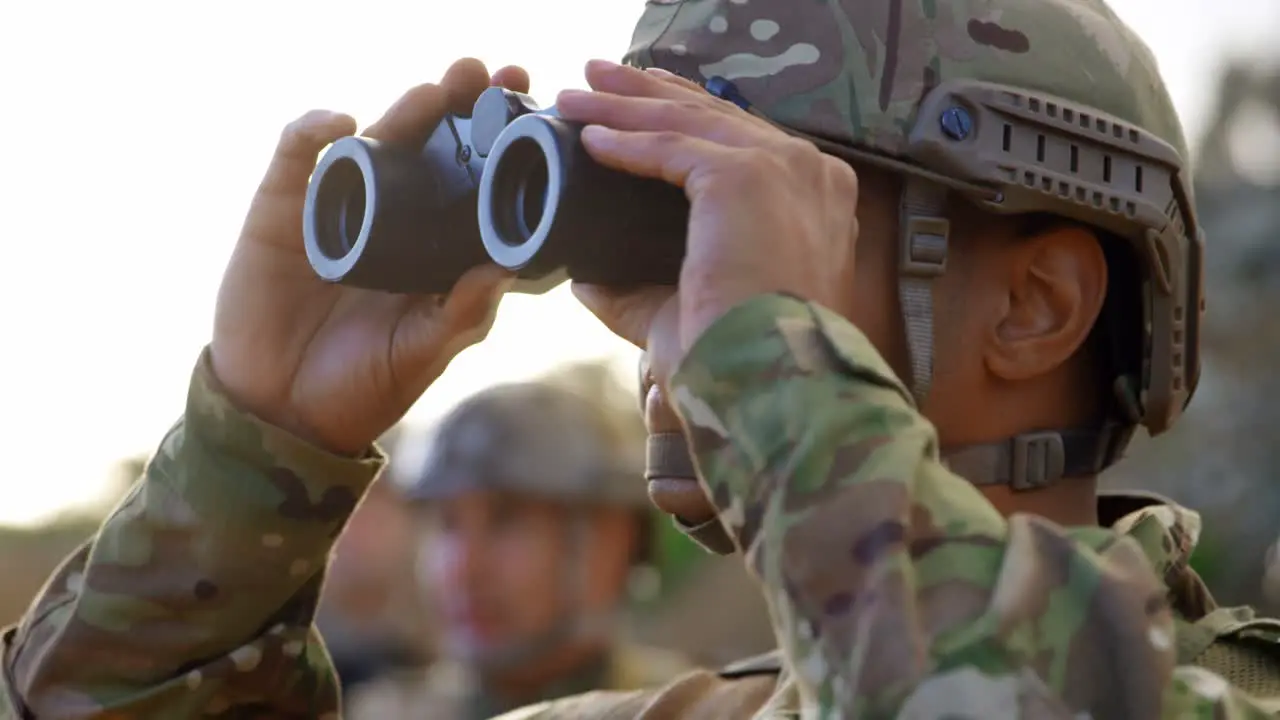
(529, 438)
(1047, 106)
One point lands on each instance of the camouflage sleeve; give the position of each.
(196, 597)
(893, 586)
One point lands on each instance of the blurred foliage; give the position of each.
(679, 555)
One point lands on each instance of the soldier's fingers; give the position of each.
(668, 76)
(435, 329)
(604, 76)
(609, 77)
(511, 77)
(412, 118)
(647, 114)
(663, 155)
(475, 295)
(300, 143)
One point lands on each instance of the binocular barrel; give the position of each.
(510, 184)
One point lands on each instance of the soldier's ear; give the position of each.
(1055, 284)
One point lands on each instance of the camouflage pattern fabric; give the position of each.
(855, 71)
(1165, 532)
(197, 597)
(895, 589)
(893, 585)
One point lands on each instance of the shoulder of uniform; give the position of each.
(594, 704)
(388, 695)
(452, 677)
(408, 693)
(1167, 531)
(640, 666)
(1114, 505)
(769, 663)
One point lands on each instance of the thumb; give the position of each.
(434, 329)
(627, 314)
(665, 349)
(474, 298)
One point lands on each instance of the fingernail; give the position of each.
(571, 94)
(598, 135)
(603, 65)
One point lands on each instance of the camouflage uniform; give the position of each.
(895, 589)
(536, 440)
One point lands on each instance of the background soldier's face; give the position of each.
(492, 562)
(372, 551)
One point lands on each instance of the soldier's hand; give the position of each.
(769, 212)
(333, 364)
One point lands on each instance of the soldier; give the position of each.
(532, 521)
(982, 154)
(1020, 186)
(370, 619)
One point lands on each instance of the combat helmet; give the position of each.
(532, 438)
(1048, 107)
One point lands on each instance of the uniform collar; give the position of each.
(1168, 534)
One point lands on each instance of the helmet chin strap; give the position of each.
(574, 624)
(1026, 461)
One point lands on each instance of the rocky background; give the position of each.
(1223, 458)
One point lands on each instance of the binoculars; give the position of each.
(510, 184)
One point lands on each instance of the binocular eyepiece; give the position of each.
(510, 184)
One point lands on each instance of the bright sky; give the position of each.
(137, 131)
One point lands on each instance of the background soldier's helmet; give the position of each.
(1049, 107)
(530, 438)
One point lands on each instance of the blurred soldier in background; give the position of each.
(371, 618)
(532, 517)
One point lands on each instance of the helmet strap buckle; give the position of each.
(1036, 460)
(923, 243)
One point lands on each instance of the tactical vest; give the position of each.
(1243, 649)
(1231, 642)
